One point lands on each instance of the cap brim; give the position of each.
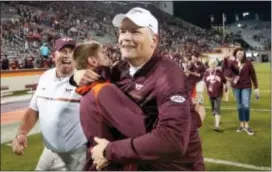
(73, 45)
(118, 19)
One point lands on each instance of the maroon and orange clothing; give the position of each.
(171, 141)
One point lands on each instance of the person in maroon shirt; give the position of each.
(226, 67)
(196, 71)
(243, 73)
(172, 141)
(95, 103)
(190, 71)
(215, 81)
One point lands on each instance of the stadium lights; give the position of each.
(245, 14)
(255, 54)
(239, 25)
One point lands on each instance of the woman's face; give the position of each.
(240, 55)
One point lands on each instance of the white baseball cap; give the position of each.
(141, 17)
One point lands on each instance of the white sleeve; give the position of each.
(33, 103)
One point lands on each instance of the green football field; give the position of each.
(227, 151)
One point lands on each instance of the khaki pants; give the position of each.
(74, 160)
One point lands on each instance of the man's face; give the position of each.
(63, 60)
(136, 42)
(103, 59)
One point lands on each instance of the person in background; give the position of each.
(243, 72)
(14, 64)
(195, 78)
(56, 105)
(44, 52)
(5, 63)
(29, 63)
(189, 70)
(227, 73)
(215, 80)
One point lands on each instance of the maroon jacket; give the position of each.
(200, 69)
(227, 67)
(214, 80)
(246, 74)
(172, 141)
(100, 117)
(193, 80)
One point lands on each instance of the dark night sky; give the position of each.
(198, 12)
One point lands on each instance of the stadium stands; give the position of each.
(26, 25)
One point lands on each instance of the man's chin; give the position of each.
(129, 57)
(66, 71)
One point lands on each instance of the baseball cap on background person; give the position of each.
(139, 16)
(61, 42)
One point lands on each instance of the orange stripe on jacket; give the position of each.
(96, 87)
(194, 93)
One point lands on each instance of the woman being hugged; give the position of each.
(243, 72)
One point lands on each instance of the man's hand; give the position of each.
(97, 153)
(187, 74)
(201, 111)
(225, 88)
(83, 77)
(19, 144)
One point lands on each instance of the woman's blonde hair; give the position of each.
(213, 62)
(85, 50)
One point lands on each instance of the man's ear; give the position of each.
(54, 55)
(155, 41)
(92, 61)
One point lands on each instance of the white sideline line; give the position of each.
(253, 167)
(261, 110)
(9, 144)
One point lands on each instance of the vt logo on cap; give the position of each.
(66, 39)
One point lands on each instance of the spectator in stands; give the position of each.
(5, 63)
(244, 72)
(29, 63)
(44, 51)
(14, 65)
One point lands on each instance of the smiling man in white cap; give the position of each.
(56, 105)
(159, 87)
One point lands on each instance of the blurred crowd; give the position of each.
(29, 25)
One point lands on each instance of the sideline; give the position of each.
(236, 164)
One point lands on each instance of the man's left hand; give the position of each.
(97, 153)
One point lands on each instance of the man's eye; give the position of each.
(122, 31)
(135, 31)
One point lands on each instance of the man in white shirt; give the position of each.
(56, 105)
